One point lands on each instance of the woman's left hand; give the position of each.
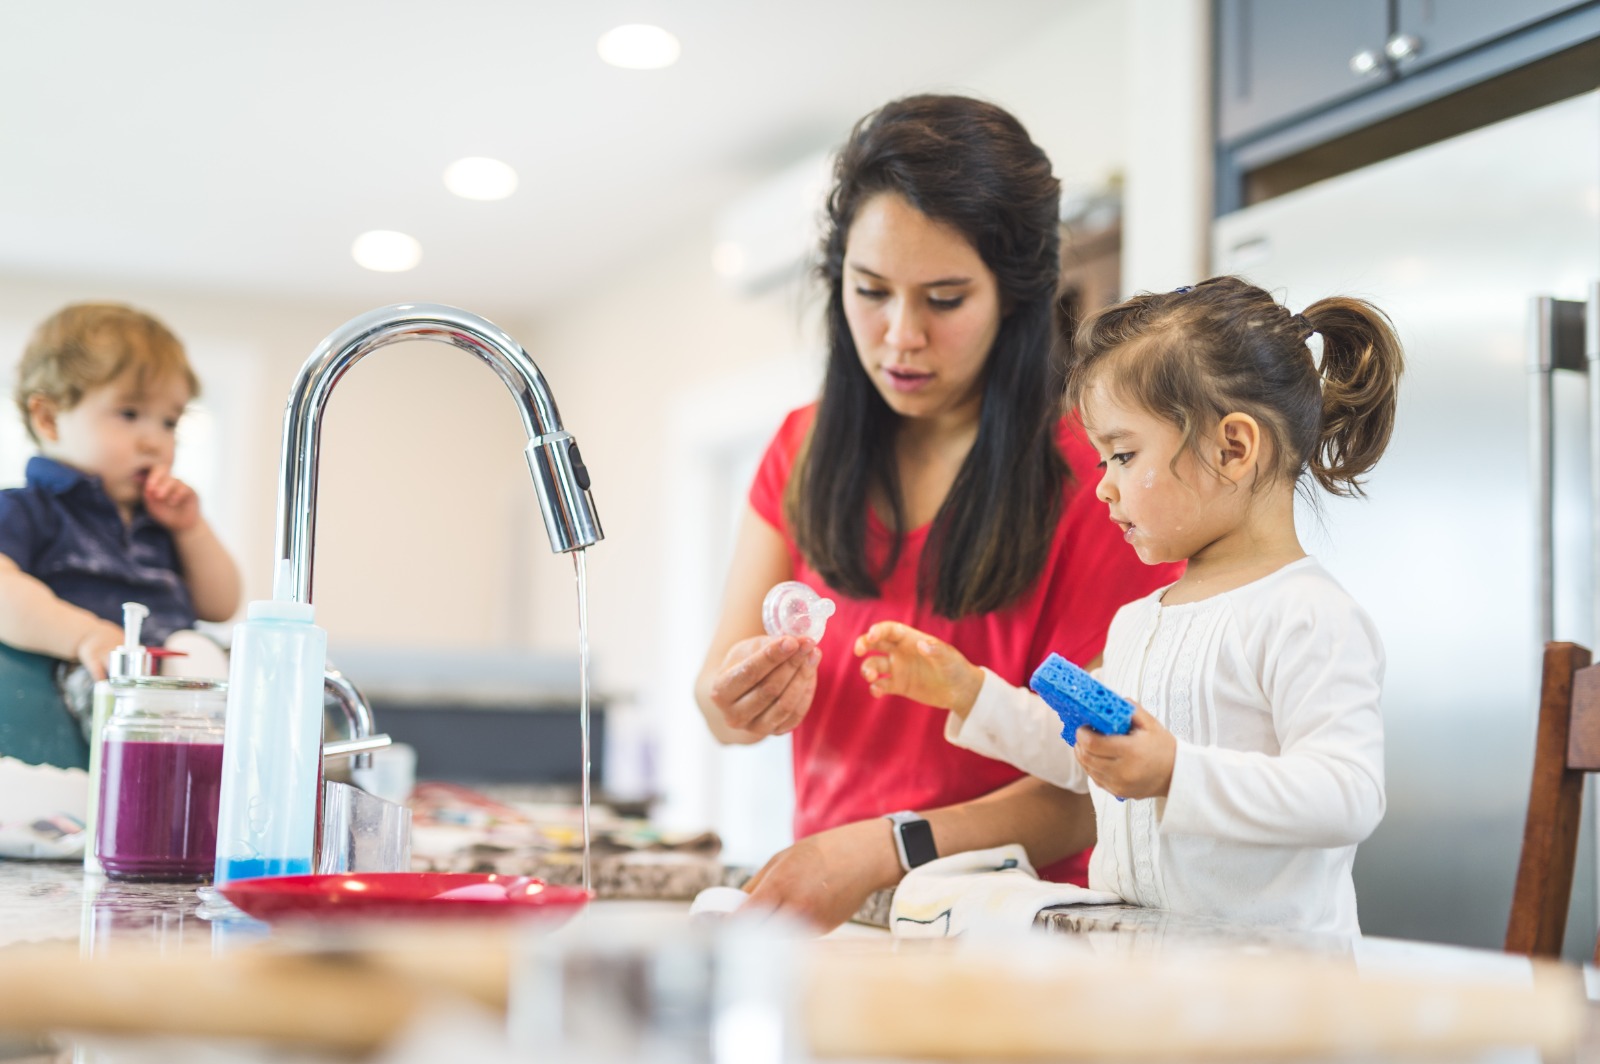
(1135, 765)
(824, 878)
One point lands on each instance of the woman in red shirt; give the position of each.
(935, 482)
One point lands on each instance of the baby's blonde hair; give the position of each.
(88, 345)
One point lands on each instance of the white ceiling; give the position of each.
(241, 147)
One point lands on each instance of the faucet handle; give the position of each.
(355, 707)
(354, 747)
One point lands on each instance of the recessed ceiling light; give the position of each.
(478, 178)
(637, 46)
(386, 251)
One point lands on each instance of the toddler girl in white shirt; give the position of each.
(1254, 763)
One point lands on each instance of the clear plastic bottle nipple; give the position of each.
(792, 608)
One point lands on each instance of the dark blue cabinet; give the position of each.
(1306, 89)
(1277, 59)
(1428, 31)
(1281, 61)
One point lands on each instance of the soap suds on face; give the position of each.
(1149, 478)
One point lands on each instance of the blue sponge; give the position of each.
(1079, 698)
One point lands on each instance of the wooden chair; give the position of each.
(1568, 747)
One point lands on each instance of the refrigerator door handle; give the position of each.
(1556, 341)
(1591, 357)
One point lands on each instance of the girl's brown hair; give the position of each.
(1197, 354)
(88, 345)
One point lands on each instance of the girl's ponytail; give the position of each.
(1361, 367)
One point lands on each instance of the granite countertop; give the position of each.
(54, 901)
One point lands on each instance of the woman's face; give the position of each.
(922, 306)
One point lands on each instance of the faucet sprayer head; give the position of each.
(562, 482)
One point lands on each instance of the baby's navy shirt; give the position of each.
(63, 529)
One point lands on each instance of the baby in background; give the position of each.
(1254, 762)
(102, 520)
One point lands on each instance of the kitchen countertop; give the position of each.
(45, 903)
(52, 901)
(50, 905)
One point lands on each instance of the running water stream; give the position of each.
(578, 565)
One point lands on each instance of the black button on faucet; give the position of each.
(580, 472)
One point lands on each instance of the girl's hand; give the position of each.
(170, 502)
(766, 684)
(1135, 765)
(900, 660)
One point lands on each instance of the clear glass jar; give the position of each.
(161, 779)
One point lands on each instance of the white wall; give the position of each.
(1167, 199)
(1067, 85)
(644, 343)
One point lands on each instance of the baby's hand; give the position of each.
(172, 503)
(94, 649)
(1135, 765)
(903, 661)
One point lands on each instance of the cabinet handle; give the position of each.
(1366, 62)
(1403, 47)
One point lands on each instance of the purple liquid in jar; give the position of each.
(158, 810)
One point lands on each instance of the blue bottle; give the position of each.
(272, 740)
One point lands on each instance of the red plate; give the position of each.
(409, 895)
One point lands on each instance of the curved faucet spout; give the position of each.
(559, 475)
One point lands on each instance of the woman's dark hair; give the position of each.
(971, 166)
(1197, 354)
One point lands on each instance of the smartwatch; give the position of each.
(913, 839)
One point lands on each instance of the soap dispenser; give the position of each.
(129, 660)
(272, 743)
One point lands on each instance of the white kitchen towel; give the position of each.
(980, 891)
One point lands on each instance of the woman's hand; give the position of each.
(1135, 765)
(900, 660)
(824, 878)
(766, 685)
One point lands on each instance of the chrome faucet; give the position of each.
(559, 475)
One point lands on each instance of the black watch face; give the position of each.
(917, 835)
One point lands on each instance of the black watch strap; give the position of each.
(913, 839)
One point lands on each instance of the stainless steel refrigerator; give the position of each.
(1461, 529)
